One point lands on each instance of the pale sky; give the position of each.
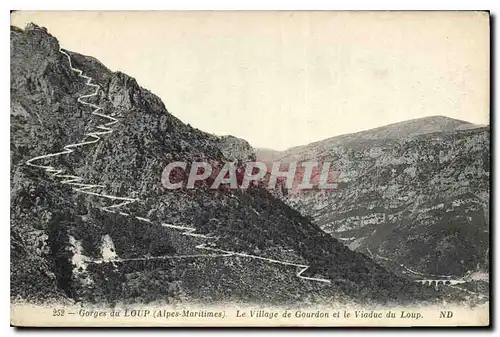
(282, 79)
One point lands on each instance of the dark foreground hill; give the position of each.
(414, 195)
(59, 235)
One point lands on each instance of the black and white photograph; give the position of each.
(250, 168)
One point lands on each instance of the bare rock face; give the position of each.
(236, 149)
(128, 162)
(123, 91)
(413, 195)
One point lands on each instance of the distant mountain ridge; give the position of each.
(409, 128)
(415, 193)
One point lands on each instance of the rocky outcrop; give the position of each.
(236, 149)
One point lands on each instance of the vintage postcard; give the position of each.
(274, 168)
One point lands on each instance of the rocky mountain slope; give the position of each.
(414, 195)
(236, 149)
(64, 245)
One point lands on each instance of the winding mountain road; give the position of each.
(91, 189)
(75, 180)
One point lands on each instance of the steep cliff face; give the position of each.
(414, 194)
(92, 250)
